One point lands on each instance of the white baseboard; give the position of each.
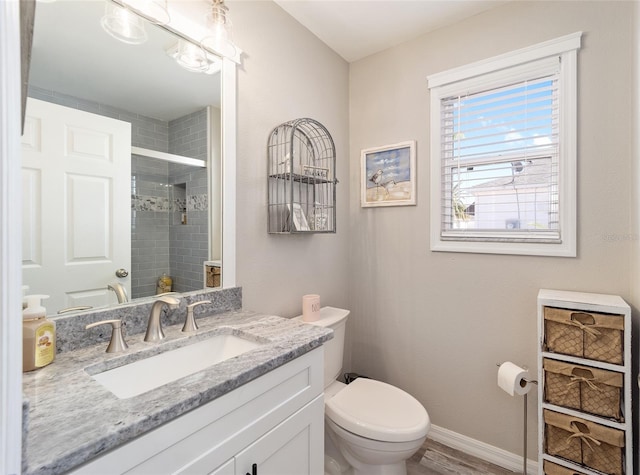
(483, 451)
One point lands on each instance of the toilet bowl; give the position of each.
(375, 426)
(371, 427)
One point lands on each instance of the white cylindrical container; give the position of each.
(310, 308)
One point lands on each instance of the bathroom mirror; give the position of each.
(76, 64)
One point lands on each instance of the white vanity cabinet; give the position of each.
(275, 422)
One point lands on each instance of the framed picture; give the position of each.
(298, 218)
(388, 176)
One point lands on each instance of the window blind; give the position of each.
(500, 161)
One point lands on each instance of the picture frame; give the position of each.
(388, 175)
(298, 218)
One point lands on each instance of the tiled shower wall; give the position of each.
(156, 234)
(189, 242)
(150, 212)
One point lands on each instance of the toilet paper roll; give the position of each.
(310, 308)
(512, 379)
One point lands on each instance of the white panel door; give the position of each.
(76, 170)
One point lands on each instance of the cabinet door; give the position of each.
(227, 468)
(294, 447)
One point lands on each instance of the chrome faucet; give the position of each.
(190, 324)
(154, 326)
(120, 291)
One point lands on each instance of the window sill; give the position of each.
(562, 249)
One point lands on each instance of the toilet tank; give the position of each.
(336, 319)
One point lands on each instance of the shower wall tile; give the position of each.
(197, 203)
(150, 202)
(188, 135)
(189, 247)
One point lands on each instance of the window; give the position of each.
(503, 153)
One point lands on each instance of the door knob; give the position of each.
(122, 273)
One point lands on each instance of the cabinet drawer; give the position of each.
(584, 442)
(551, 468)
(587, 389)
(591, 335)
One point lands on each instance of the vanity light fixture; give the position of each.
(123, 24)
(153, 10)
(219, 25)
(190, 56)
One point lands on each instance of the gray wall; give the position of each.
(436, 324)
(286, 73)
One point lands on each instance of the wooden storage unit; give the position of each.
(584, 368)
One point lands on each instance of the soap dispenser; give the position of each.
(38, 335)
(164, 284)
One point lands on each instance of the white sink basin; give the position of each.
(146, 374)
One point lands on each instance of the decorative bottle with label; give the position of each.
(38, 335)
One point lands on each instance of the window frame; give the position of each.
(493, 72)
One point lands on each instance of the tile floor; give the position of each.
(437, 459)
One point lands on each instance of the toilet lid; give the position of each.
(378, 411)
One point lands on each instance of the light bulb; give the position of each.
(219, 25)
(191, 56)
(123, 24)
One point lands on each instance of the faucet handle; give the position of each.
(117, 342)
(190, 324)
(168, 299)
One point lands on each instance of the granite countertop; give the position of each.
(73, 418)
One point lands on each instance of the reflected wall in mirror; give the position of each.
(169, 222)
(80, 224)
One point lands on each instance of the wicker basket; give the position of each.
(595, 336)
(586, 389)
(213, 276)
(551, 468)
(584, 442)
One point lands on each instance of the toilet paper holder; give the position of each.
(524, 451)
(535, 381)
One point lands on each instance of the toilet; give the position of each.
(371, 427)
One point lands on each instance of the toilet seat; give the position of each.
(378, 411)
